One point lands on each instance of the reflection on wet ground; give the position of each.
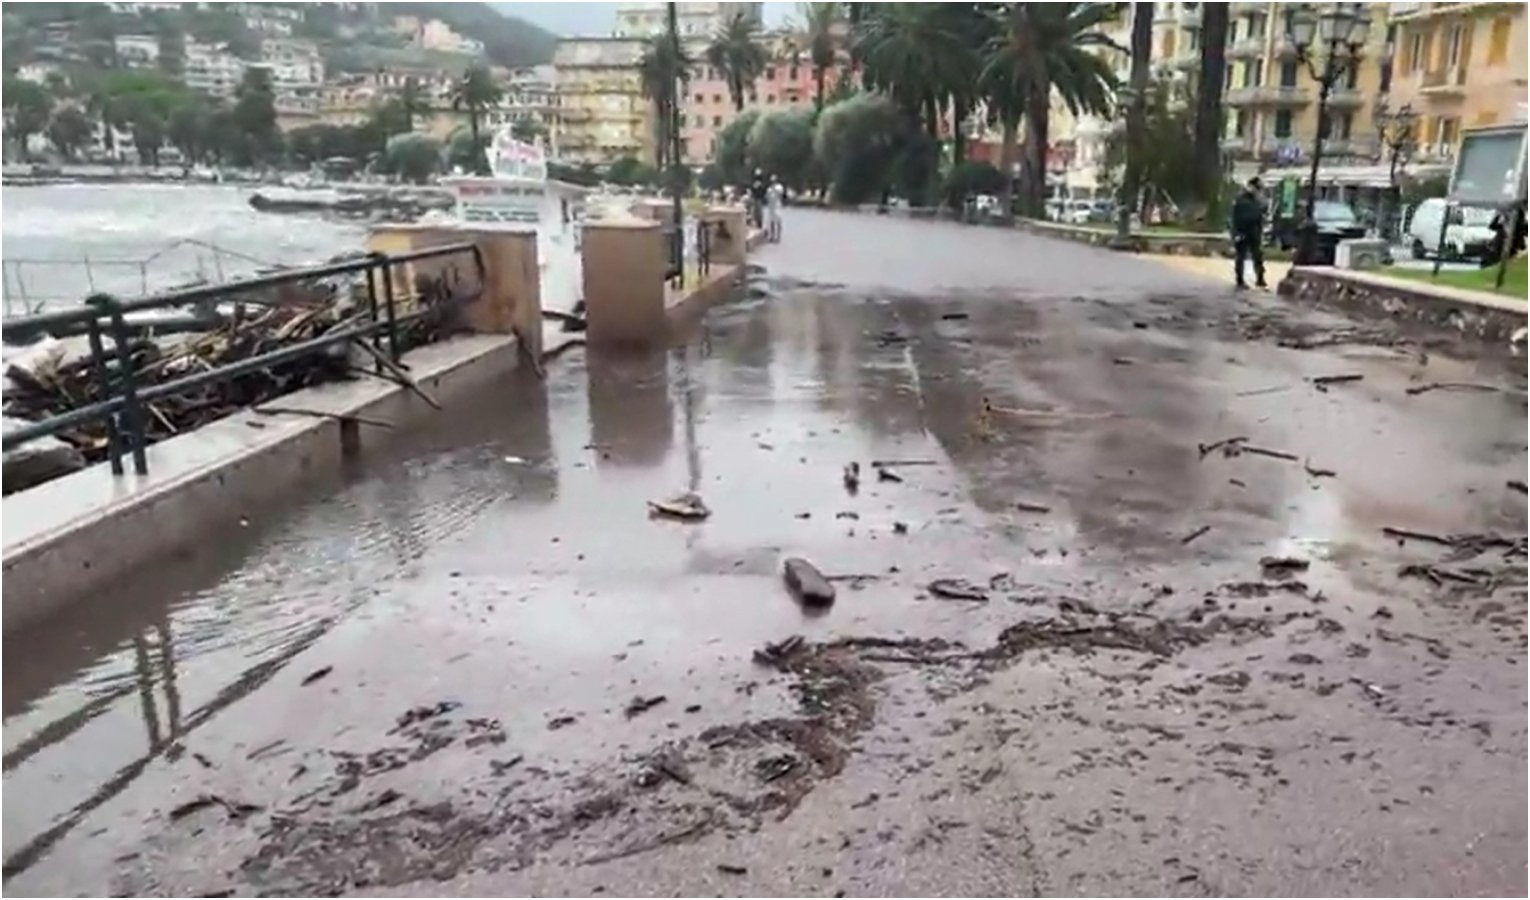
(445, 673)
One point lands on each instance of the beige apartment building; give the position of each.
(1459, 65)
(602, 113)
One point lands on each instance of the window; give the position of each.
(770, 73)
(1417, 48)
(792, 73)
(1352, 79)
(1343, 126)
(701, 121)
(1498, 41)
(717, 98)
(717, 121)
(1242, 127)
(1386, 77)
(1447, 133)
(770, 98)
(1252, 72)
(1288, 74)
(1256, 26)
(1283, 123)
(701, 98)
(1453, 48)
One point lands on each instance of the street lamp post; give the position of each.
(677, 90)
(1337, 35)
(1395, 127)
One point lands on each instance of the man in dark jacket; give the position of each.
(1248, 232)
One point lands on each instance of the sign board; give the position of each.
(514, 195)
(1490, 167)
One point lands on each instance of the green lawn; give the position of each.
(1514, 281)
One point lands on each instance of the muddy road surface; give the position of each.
(1121, 617)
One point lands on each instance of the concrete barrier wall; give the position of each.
(624, 265)
(68, 537)
(1485, 318)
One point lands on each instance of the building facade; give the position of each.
(602, 113)
(694, 21)
(1458, 65)
(211, 69)
(137, 51)
(787, 83)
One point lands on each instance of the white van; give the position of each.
(1466, 235)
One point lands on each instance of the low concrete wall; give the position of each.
(76, 534)
(688, 306)
(1490, 319)
(1165, 243)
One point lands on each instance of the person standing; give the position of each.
(775, 199)
(1248, 233)
(757, 199)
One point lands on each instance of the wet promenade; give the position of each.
(477, 665)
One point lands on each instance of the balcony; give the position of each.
(1284, 150)
(1268, 95)
(1190, 16)
(1251, 47)
(1285, 48)
(1187, 62)
(1363, 148)
(1346, 98)
(1244, 9)
(1443, 82)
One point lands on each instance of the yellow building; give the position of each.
(1459, 65)
(602, 112)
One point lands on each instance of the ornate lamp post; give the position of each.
(1395, 127)
(1329, 46)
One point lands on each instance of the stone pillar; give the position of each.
(730, 234)
(624, 282)
(511, 301)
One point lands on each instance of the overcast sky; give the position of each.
(598, 18)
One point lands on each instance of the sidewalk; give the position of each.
(1218, 268)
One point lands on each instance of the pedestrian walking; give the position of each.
(757, 199)
(1248, 233)
(775, 199)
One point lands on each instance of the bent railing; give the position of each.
(120, 397)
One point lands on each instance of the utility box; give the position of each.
(1361, 253)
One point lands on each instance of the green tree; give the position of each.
(735, 52)
(781, 144)
(463, 151)
(1002, 84)
(1136, 117)
(527, 130)
(1054, 46)
(663, 69)
(733, 147)
(189, 130)
(631, 171)
(27, 109)
(255, 116)
(711, 178)
(917, 55)
(821, 21)
(1162, 167)
(474, 94)
(148, 128)
(967, 179)
(411, 101)
(857, 143)
(412, 157)
(69, 131)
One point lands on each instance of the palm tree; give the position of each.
(1002, 84)
(1053, 49)
(821, 20)
(916, 54)
(411, 101)
(1136, 117)
(474, 94)
(736, 52)
(664, 64)
(1208, 98)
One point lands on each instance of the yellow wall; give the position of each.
(1460, 65)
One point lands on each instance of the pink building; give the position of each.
(785, 84)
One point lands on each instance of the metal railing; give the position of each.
(120, 399)
(207, 262)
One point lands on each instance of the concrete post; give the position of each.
(624, 282)
(512, 298)
(730, 234)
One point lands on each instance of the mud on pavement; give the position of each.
(1165, 600)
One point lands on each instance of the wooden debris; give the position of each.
(852, 477)
(1195, 534)
(687, 507)
(1316, 472)
(1218, 445)
(1033, 507)
(1516, 486)
(1322, 382)
(957, 589)
(806, 583)
(1448, 386)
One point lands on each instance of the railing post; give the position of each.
(388, 309)
(104, 392)
(131, 409)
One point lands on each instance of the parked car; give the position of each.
(1335, 222)
(1467, 230)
